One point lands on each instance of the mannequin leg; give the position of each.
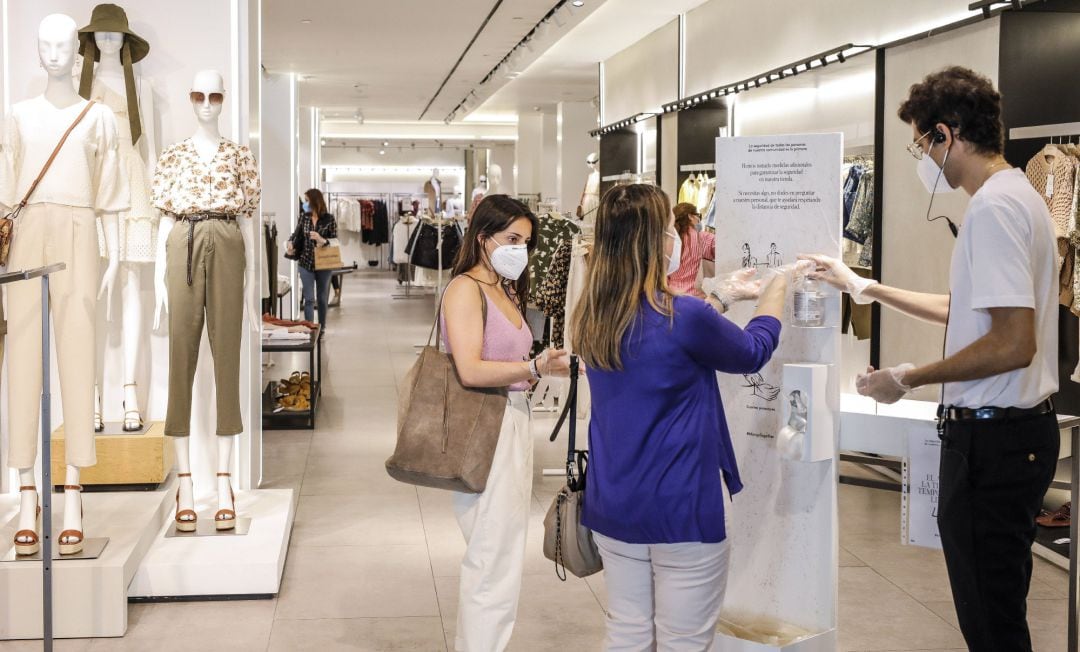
(225, 518)
(101, 338)
(72, 506)
(133, 341)
(186, 493)
(28, 504)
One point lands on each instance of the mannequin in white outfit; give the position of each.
(109, 79)
(590, 197)
(206, 139)
(57, 47)
(494, 179)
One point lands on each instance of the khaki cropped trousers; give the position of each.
(45, 234)
(215, 298)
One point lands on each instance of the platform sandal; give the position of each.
(132, 424)
(32, 543)
(225, 519)
(71, 541)
(99, 422)
(185, 520)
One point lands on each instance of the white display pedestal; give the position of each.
(824, 642)
(89, 597)
(250, 565)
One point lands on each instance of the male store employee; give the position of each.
(997, 424)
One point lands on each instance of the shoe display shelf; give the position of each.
(275, 418)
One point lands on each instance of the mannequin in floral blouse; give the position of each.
(211, 186)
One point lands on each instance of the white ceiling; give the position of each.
(569, 70)
(389, 58)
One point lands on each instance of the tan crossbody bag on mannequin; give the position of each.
(7, 223)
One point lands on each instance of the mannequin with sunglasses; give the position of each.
(110, 42)
(58, 226)
(996, 421)
(207, 189)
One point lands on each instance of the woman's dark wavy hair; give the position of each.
(494, 214)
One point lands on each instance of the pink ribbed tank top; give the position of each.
(503, 342)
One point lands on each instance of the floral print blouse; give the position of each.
(185, 184)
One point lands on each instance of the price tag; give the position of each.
(1049, 186)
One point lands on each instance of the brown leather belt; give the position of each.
(192, 219)
(953, 414)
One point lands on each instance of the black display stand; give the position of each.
(274, 419)
(699, 127)
(43, 273)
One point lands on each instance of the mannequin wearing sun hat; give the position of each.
(109, 41)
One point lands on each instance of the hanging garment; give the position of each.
(554, 229)
(551, 293)
(705, 194)
(861, 224)
(403, 232)
(424, 247)
(688, 191)
(590, 198)
(851, 191)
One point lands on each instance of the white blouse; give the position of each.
(86, 172)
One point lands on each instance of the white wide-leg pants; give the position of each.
(495, 524)
(665, 597)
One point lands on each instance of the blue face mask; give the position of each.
(306, 206)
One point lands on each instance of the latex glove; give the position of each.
(554, 362)
(834, 272)
(734, 286)
(884, 386)
(790, 271)
(111, 227)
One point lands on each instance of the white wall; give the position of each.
(549, 166)
(575, 120)
(916, 254)
(505, 157)
(529, 154)
(728, 41)
(280, 182)
(184, 38)
(642, 77)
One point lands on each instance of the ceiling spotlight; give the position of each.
(386, 143)
(306, 21)
(382, 152)
(323, 142)
(840, 56)
(559, 20)
(578, 3)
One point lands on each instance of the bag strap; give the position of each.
(576, 460)
(52, 157)
(438, 312)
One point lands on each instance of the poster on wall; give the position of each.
(778, 197)
(921, 491)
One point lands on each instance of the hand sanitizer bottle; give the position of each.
(809, 309)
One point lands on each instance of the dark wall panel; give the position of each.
(698, 129)
(618, 154)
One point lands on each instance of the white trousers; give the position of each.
(664, 597)
(495, 524)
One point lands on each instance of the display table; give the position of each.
(870, 427)
(274, 419)
(340, 274)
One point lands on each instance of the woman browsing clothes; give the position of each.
(484, 328)
(315, 228)
(658, 440)
(697, 247)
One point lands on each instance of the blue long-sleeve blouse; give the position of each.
(658, 439)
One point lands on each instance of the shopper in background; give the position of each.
(997, 424)
(696, 246)
(315, 228)
(658, 440)
(484, 327)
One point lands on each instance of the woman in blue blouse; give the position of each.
(658, 440)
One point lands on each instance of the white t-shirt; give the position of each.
(1005, 257)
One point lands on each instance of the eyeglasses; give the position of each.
(915, 149)
(198, 97)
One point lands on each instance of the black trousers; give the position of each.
(994, 475)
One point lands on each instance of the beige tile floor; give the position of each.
(373, 564)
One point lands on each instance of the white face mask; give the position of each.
(510, 261)
(675, 259)
(930, 174)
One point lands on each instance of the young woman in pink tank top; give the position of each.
(491, 271)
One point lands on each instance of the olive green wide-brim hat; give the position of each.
(111, 18)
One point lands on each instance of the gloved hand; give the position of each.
(884, 386)
(735, 286)
(834, 272)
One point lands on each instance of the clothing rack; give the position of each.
(384, 197)
(698, 167)
(1060, 130)
(408, 293)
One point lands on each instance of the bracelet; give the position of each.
(534, 370)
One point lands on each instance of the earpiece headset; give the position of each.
(939, 137)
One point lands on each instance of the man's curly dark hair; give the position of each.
(962, 99)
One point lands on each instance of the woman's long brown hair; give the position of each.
(318, 202)
(626, 266)
(494, 214)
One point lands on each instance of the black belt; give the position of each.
(952, 414)
(192, 219)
